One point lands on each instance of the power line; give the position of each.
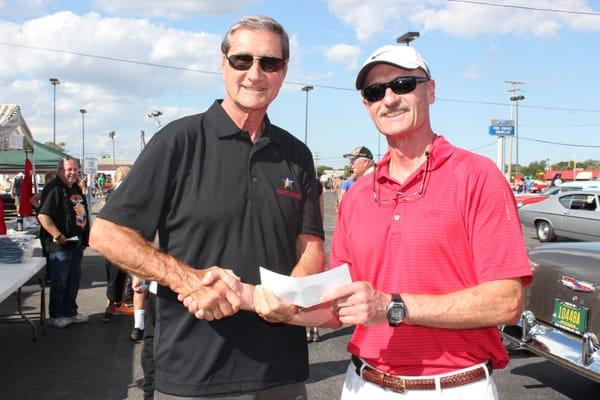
(554, 10)
(157, 65)
(592, 146)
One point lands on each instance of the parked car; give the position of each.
(561, 317)
(531, 198)
(573, 215)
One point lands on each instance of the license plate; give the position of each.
(570, 317)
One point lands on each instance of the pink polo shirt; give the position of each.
(464, 230)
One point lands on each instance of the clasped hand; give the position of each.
(212, 293)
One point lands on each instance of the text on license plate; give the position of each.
(569, 316)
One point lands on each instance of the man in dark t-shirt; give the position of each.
(64, 232)
(229, 192)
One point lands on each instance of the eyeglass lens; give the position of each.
(243, 62)
(400, 85)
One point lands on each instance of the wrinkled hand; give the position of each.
(214, 294)
(137, 284)
(359, 303)
(270, 308)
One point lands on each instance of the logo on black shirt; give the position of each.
(288, 188)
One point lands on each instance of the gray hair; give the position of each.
(258, 23)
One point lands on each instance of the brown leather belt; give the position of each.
(401, 385)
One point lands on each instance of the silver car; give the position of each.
(573, 215)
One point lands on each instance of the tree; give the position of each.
(321, 169)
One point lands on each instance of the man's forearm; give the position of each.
(140, 257)
(311, 256)
(488, 304)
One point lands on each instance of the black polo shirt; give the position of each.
(215, 198)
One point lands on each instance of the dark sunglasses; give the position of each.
(243, 62)
(400, 85)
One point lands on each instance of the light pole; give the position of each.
(82, 111)
(306, 89)
(111, 135)
(407, 37)
(155, 114)
(54, 82)
(515, 101)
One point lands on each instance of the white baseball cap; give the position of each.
(401, 56)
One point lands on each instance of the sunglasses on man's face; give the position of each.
(243, 62)
(400, 85)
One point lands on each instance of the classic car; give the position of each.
(534, 197)
(573, 215)
(561, 317)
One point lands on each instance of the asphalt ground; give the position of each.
(98, 361)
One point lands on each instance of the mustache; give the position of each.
(396, 107)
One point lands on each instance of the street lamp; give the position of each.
(515, 100)
(54, 82)
(82, 111)
(155, 114)
(306, 89)
(111, 135)
(407, 37)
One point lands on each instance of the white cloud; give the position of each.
(171, 8)
(117, 95)
(376, 17)
(344, 54)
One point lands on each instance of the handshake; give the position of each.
(215, 293)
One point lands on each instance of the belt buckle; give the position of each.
(397, 384)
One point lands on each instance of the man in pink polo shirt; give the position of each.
(444, 260)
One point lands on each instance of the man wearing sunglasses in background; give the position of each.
(232, 191)
(445, 261)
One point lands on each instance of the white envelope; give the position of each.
(305, 291)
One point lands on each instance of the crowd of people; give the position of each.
(429, 286)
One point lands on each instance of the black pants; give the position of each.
(116, 279)
(148, 346)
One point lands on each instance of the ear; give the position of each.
(431, 91)
(223, 61)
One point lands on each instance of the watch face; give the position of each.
(396, 313)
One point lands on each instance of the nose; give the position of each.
(390, 97)
(255, 70)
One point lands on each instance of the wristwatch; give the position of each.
(396, 310)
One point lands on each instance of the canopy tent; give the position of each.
(14, 132)
(46, 158)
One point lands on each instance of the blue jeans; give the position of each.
(64, 271)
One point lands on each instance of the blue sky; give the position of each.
(472, 50)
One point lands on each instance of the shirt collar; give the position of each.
(223, 126)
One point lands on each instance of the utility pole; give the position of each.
(54, 82)
(514, 115)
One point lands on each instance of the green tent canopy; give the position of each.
(44, 158)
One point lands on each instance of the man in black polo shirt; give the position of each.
(226, 189)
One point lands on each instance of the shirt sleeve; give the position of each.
(50, 202)
(312, 221)
(499, 251)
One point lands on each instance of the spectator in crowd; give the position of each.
(432, 282)
(361, 162)
(15, 189)
(216, 178)
(64, 232)
(36, 199)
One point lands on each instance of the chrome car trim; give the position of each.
(570, 351)
(577, 285)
